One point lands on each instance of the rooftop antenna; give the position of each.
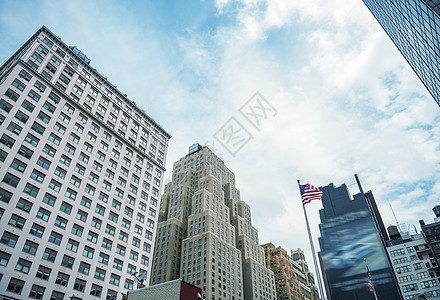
(359, 183)
(395, 218)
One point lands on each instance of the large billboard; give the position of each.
(348, 243)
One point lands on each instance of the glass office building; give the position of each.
(414, 27)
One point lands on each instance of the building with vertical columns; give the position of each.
(286, 279)
(81, 167)
(414, 27)
(305, 277)
(205, 234)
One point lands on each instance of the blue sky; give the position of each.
(346, 100)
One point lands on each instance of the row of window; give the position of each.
(64, 80)
(16, 285)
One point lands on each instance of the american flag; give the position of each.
(370, 282)
(309, 193)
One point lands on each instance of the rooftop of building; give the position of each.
(84, 64)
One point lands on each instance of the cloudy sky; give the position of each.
(340, 98)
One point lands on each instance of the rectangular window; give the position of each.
(30, 247)
(115, 279)
(110, 230)
(84, 268)
(49, 199)
(43, 273)
(9, 239)
(77, 230)
(28, 106)
(65, 160)
(123, 236)
(31, 190)
(43, 214)
(26, 152)
(50, 255)
(10, 179)
(21, 116)
(5, 106)
(23, 266)
(84, 158)
(37, 292)
(136, 242)
(62, 279)
(113, 217)
(103, 197)
(92, 237)
(55, 238)
(96, 223)
(37, 176)
(80, 285)
(14, 128)
(69, 149)
(37, 230)
(12, 95)
(134, 255)
(33, 95)
(89, 189)
(106, 243)
(67, 261)
(17, 221)
(49, 150)
(5, 196)
(44, 163)
(61, 129)
(15, 285)
(81, 215)
(55, 185)
(7, 140)
(96, 290)
(99, 274)
(117, 264)
(88, 252)
(38, 128)
(120, 250)
(72, 245)
(49, 107)
(60, 222)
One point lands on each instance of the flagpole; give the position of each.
(313, 248)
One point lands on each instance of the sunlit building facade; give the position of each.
(286, 273)
(414, 27)
(81, 168)
(205, 234)
(413, 264)
(305, 277)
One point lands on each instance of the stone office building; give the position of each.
(81, 168)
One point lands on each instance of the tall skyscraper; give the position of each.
(414, 27)
(81, 168)
(205, 234)
(350, 234)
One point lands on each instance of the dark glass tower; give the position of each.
(414, 27)
(351, 232)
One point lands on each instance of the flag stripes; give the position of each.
(309, 193)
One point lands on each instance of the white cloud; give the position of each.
(347, 101)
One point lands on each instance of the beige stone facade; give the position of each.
(293, 281)
(205, 235)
